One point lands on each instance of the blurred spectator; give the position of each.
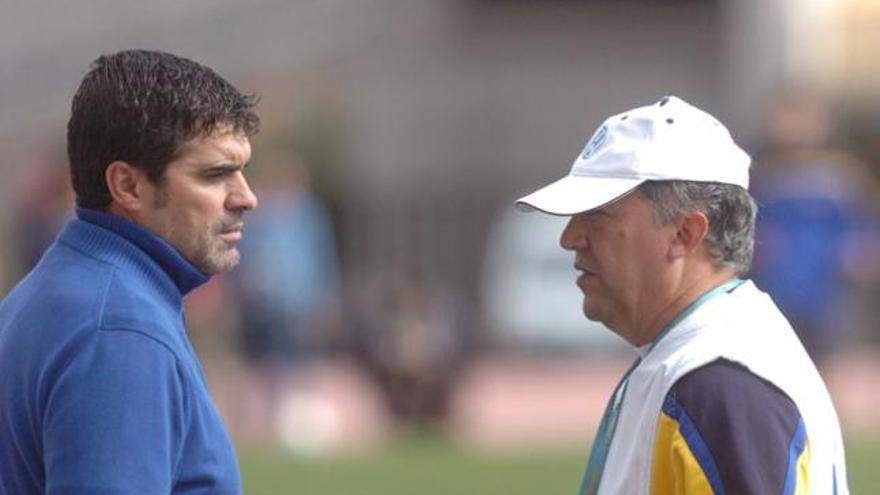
(287, 287)
(42, 207)
(411, 337)
(817, 211)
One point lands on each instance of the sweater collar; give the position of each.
(186, 276)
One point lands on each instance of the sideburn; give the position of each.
(162, 197)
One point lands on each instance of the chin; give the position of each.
(226, 266)
(219, 263)
(592, 313)
(592, 317)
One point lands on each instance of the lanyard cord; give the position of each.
(605, 433)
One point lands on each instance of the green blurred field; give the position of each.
(430, 465)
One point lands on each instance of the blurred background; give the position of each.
(395, 327)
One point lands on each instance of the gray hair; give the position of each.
(731, 211)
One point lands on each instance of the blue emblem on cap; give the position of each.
(595, 142)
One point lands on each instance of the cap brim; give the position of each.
(573, 194)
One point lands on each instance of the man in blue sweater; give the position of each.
(101, 392)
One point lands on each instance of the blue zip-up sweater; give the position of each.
(100, 390)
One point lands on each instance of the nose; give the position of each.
(572, 237)
(241, 197)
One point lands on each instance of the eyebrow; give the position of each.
(601, 212)
(223, 167)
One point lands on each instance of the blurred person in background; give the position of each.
(287, 291)
(723, 398)
(410, 336)
(818, 209)
(102, 391)
(43, 206)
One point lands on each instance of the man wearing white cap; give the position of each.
(722, 398)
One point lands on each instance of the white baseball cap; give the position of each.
(669, 140)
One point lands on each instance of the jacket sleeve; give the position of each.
(114, 418)
(723, 429)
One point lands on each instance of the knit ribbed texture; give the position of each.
(182, 273)
(100, 389)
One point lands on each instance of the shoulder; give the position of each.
(57, 303)
(112, 364)
(741, 428)
(727, 386)
(726, 402)
(132, 300)
(103, 353)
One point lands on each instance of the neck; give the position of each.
(117, 210)
(682, 295)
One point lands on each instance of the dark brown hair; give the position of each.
(139, 107)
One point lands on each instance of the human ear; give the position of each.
(125, 184)
(690, 231)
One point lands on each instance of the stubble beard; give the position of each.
(213, 255)
(206, 251)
